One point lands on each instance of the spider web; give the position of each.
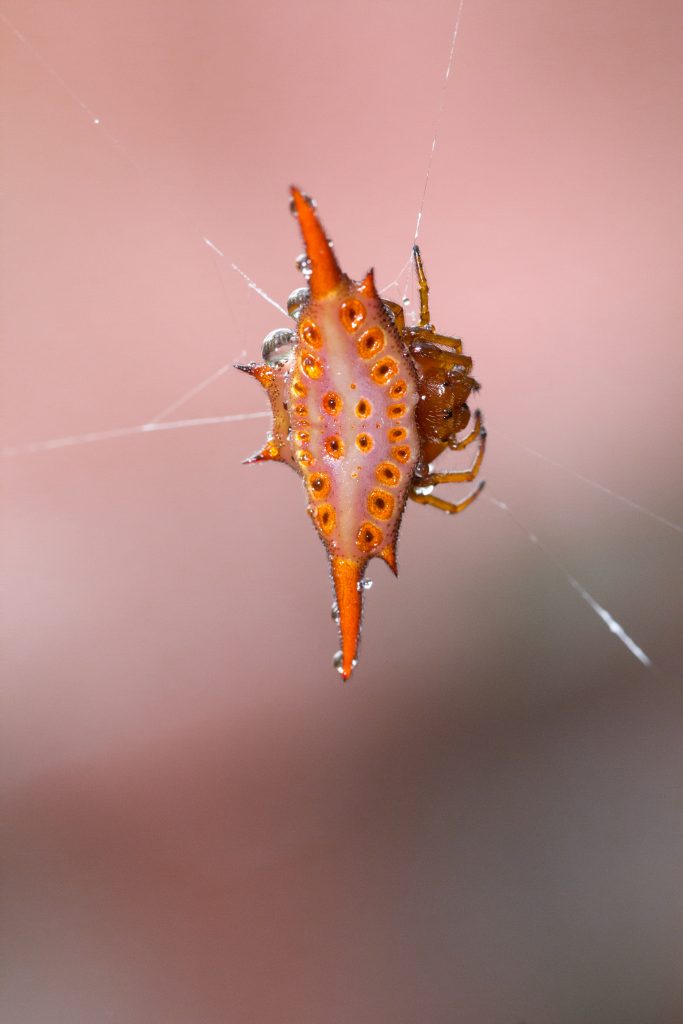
(401, 287)
(203, 824)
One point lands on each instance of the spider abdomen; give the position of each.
(353, 422)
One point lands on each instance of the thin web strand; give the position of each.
(113, 139)
(396, 283)
(594, 483)
(38, 57)
(215, 251)
(255, 287)
(214, 248)
(191, 393)
(71, 441)
(437, 123)
(614, 627)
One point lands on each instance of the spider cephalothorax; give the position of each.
(361, 406)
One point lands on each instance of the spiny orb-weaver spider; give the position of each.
(361, 406)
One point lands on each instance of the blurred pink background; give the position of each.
(203, 823)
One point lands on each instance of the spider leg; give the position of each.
(398, 315)
(450, 507)
(420, 334)
(448, 342)
(423, 288)
(459, 476)
(455, 445)
(456, 359)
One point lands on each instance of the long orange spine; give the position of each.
(347, 576)
(326, 275)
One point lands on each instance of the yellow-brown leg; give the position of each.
(398, 314)
(458, 476)
(457, 446)
(451, 507)
(456, 359)
(447, 341)
(423, 288)
(418, 334)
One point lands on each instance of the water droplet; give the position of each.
(422, 469)
(406, 300)
(423, 490)
(296, 301)
(364, 584)
(335, 613)
(277, 346)
(304, 265)
(337, 661)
